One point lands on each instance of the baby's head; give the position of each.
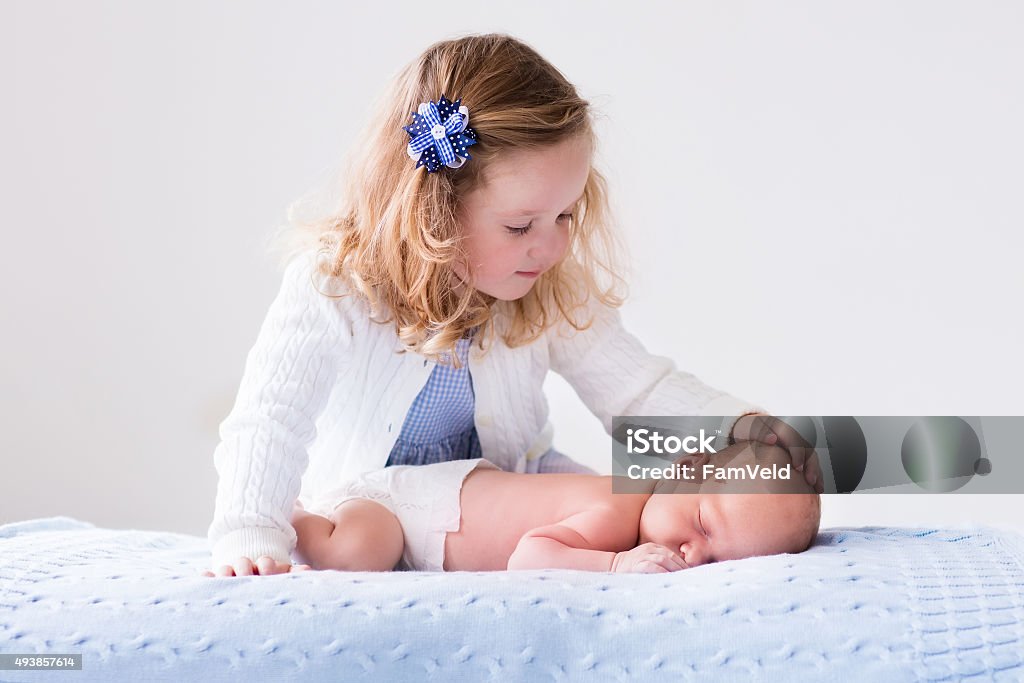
(521, 225)
(717, 520)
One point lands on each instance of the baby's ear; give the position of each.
(766, 456)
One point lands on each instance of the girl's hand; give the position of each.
(772, 431)
(264, 566)
(649, 558)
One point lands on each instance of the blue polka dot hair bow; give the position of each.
(440, 135)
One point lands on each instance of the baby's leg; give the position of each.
(361, 536)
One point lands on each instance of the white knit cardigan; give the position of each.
(325, 392)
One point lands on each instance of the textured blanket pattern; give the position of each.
(866, 604)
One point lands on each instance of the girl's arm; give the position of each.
(615, 375)
(262, 454)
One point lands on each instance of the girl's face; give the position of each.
(516, 226)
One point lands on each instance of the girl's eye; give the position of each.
(701, 522)
(519, 231)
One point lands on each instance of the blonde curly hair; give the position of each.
(394, 234)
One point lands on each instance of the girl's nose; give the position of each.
(537, 250)
(546, 250)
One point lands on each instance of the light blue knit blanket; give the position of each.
(866, 604)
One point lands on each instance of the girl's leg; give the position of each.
(361, 536)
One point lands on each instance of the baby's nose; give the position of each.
(692, 555)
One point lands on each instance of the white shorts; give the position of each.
(424, 498)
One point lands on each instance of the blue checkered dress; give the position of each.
(439, 425)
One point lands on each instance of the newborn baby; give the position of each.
(467, 515)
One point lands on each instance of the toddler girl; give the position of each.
(470, 253)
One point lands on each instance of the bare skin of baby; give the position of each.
(575, 521)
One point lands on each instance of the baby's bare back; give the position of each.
(499, 507)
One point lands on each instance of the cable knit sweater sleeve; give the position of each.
(262, 455)
(614, 374)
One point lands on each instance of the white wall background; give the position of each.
(822, 203)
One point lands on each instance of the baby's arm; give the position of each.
(592, 540)
(586, 540)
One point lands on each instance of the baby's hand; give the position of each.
(649, 558)
(264, 566)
